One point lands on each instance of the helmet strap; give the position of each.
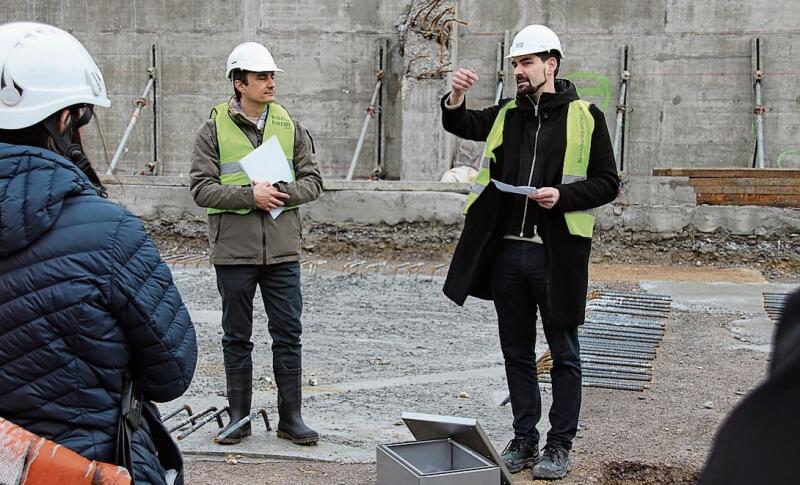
(72, 150)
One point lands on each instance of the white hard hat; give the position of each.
(534, 39)
(43, 70)
(251, 56)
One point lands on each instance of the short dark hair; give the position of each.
(544, 56)
(238, 75)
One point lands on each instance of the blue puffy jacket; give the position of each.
(84, 296)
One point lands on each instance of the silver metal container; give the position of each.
(448, 451)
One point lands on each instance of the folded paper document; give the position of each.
(268, 163)
(513, 189)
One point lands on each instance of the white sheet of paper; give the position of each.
(513, 189)
(268, 163)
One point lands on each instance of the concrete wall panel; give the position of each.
(691, 90)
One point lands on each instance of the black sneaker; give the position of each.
(553, 465)
(521, 453)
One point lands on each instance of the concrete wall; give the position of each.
(395, 202)
(691, 90)
(691, 86)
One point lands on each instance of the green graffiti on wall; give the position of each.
(788, 155)
(592, 86)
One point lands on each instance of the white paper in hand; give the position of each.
(513, 189)
(268, 163)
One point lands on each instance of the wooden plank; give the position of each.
(750, 199)
(728, 172)
(757, 189)
(743, 182)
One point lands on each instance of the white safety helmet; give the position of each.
(251, 56)
(534, 39)
(44, 69)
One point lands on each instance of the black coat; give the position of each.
(759, 441)
(567, 256)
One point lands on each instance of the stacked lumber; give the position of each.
(776, 187)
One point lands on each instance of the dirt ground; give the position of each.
(662, 435)
(777, 257)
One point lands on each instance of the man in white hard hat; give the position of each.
(529, 251)
(250, 248)
(88, 308)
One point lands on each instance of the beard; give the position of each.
(529, 87)
(526, 88)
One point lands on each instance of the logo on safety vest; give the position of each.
(281, 122)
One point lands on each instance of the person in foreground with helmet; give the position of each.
(249, 247)
(86, 303)
(532, 251)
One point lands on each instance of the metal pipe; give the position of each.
(639, 313)
(613, 368)
(606, 353)
(620, 116)
(623, 329)
(633, 335)
(759, 112)
(598, 349)
(140, 103)
(629, 301)
(615, 385)
(206, 420)
(498, 92)
(625, 337)
(594, 359)
(245, 420)
(616, 343)
(499, 71)
(192, 419)
(640, 322)
(171, 415)
(632, 300)
(614, 375)
(370, 113)
(631, 294)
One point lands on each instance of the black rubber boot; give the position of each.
(521, 453)
(290, 399)
(554, 464)
(240, 393)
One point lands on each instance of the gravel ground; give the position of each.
(381, 343)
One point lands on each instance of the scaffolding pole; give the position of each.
(140, 103)
(622, 106)
(758, 111)
(379, 172)
(371, 110)
(500, 69)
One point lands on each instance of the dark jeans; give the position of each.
(518, 288)
(280, 289)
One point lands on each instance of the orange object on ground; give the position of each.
(29, 459)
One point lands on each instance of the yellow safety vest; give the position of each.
(580, 125)
(234, 145)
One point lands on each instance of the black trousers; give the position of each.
(518, 288)
(280, 289)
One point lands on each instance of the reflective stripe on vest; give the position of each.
(494, 140)
(580, 125)
(234, 145)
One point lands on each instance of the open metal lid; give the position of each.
(466, 431)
